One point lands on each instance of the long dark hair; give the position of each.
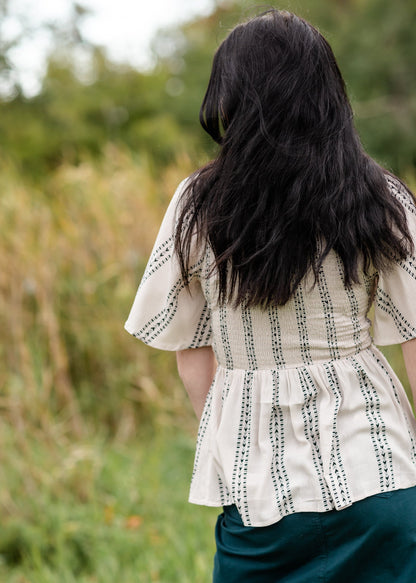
(291, 180)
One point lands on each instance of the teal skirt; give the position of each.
(372, 541)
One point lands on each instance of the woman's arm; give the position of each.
(409, 355)
(196, 367)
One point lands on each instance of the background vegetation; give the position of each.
(96, 433)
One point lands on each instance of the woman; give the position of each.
(267, 263)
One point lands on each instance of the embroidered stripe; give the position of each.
(239, 478)
(279, 474)
(227, 384)
(402, 195)
(385, 303)
(352, 299)
(225, 341)
(311, 429)
(155, 325)
(158, 323)
(158, 258)
(369, 282)
(276, 336)
(203, 329)
(370, 288)
(409, 265)
(328, 309)
(225, 496)
(302, 326)
(396, 395)
(337, 471)
(377, 428)
(249, 338)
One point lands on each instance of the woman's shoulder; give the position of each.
(401, 192)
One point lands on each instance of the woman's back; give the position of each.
(304, 413)
(322, 321)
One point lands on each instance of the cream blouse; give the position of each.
(304, 413)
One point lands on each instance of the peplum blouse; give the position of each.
(304, 412)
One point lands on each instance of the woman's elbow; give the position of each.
(193, 361)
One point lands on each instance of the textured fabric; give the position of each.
(304, 413)
(373, 541)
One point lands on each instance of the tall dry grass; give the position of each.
(72, 255)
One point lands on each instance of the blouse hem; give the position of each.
(394, 341)
(162, 345)
(313, 506)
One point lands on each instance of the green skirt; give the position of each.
(372, 541)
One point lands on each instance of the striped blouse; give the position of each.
(304, 413)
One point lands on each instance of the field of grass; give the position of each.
(99, 511)
(96, 434)
(73, 250)
(93, 484)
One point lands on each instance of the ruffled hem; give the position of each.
(317, 506)
(307, 438)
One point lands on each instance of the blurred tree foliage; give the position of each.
(155, 113)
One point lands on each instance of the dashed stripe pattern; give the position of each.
(227, 384)
(225, 495)
(409, 265)
(408, 202)
(370, 287)
(338, 476)
(328, 315)
(203, 329)
(249, 339)
(302, 326)
(310, 417)
(385, 303)
(161, 255)
(279, 473)
(412, 440)
(276, 337)
(158, 323)
(378, 430)
(240, 470)
(225, 337)
(369, 282)
(402, 196)
(354, 309)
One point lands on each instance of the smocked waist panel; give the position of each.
(253, 347)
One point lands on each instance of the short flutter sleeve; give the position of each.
(395, 297)
(165, 314)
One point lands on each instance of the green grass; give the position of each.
(84, 495)
(103, 512)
